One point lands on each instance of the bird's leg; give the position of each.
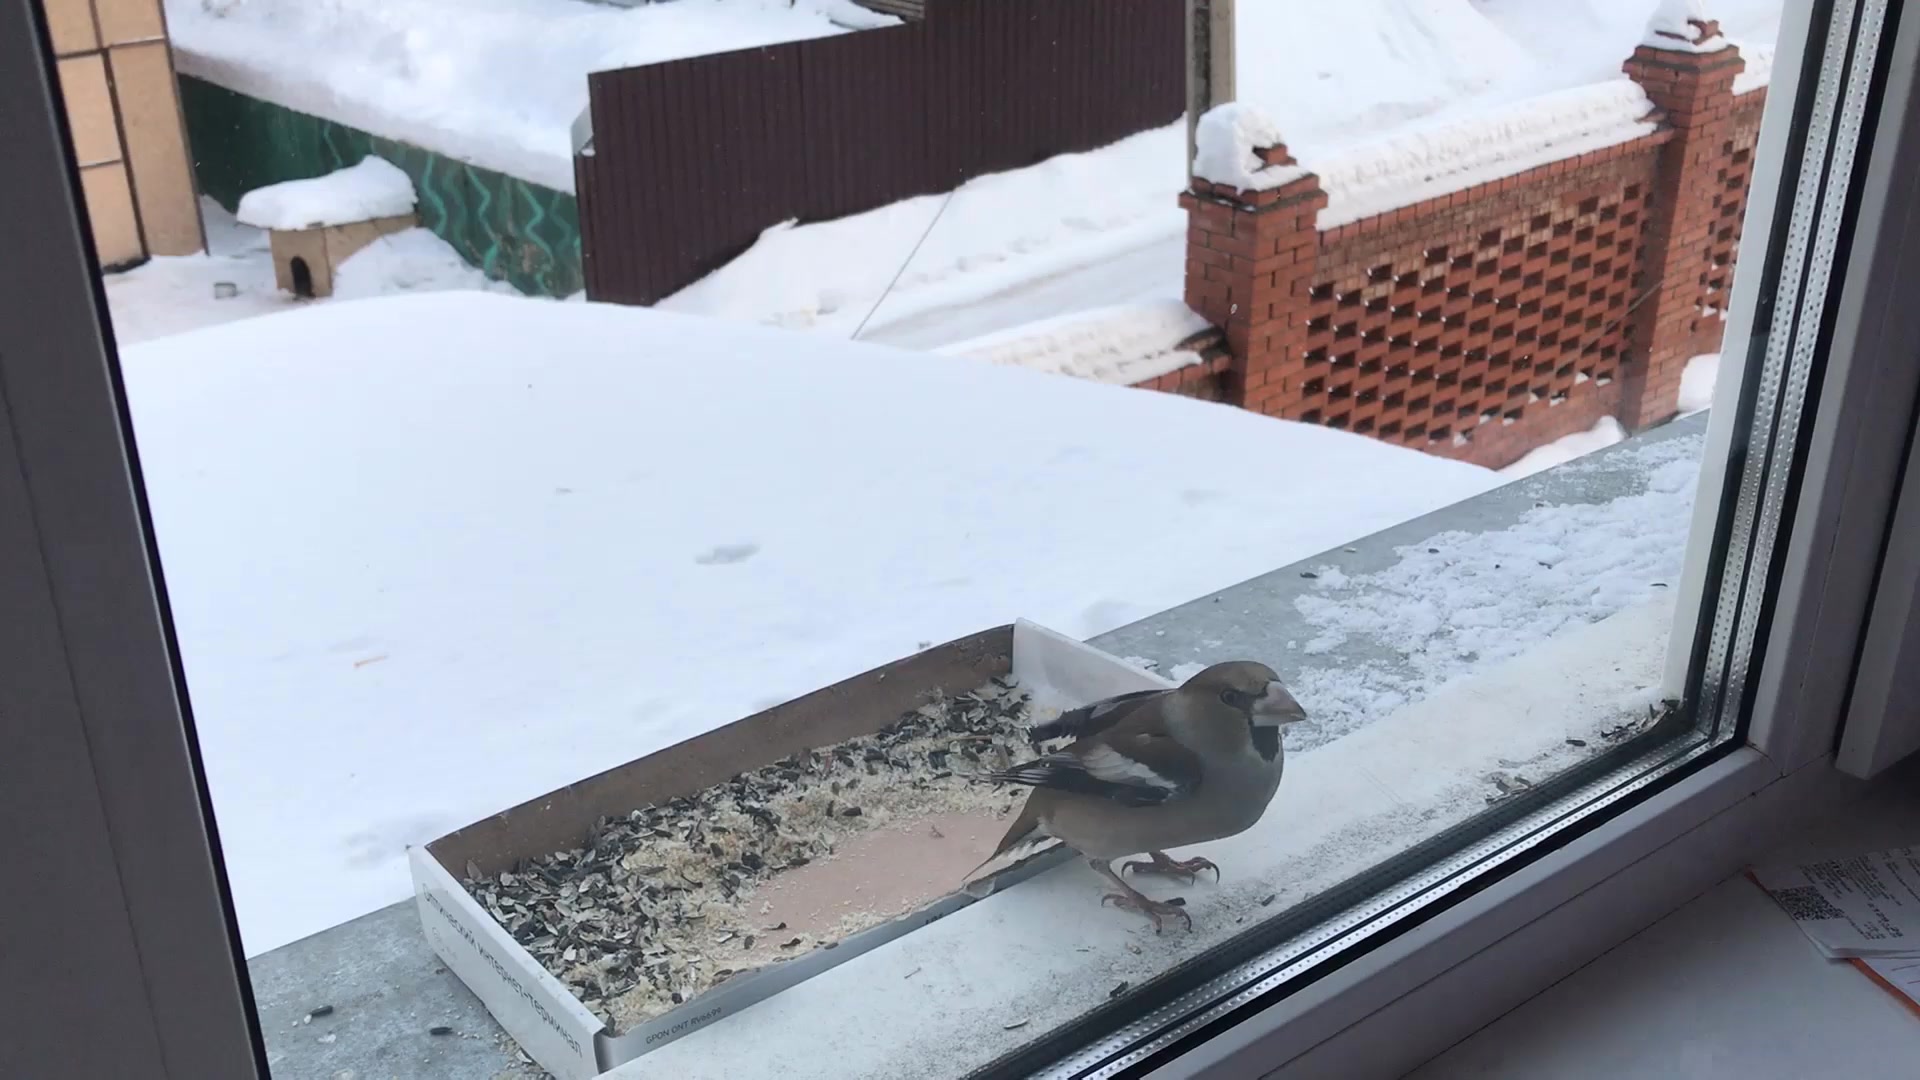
(1168, 866)
(1133, 899)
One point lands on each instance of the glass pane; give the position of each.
(809, 526)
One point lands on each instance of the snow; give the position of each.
(1227, 142)
(994, 233)
(1121, 345)
(1671, 27)
(1422, 160)
(964, 990)
(431, 556)
(412, 260)
(496, 83)
(374, 188)
(1604, 433)
(1462, 599)
(169, 294)
(1388, 100)
(173, 294)
(1697, 380)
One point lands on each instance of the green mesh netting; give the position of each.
(515, 231)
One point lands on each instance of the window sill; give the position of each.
(1408, 1000)
(1345, 805)
(957, 994)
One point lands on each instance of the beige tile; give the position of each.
(116, 232)
(70, 24)
(156, 148)
(129, 20)
(83, 83)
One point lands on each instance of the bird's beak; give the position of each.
(1276, 707)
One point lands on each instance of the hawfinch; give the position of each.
(1151, 770)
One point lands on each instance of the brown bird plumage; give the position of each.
(1151, 770)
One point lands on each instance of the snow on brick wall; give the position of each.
(1424, 160)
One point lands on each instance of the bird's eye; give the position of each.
(1232, 697)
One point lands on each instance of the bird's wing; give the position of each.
(1089, 720)
(1142, 766)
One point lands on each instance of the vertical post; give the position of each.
(1695, 91)
(1210, 62)
(1251, 257)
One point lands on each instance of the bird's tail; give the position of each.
(1024, 831)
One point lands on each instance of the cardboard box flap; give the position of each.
(563, 819)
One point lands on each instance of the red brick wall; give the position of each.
(1480, 325)
(1488, 321)
(1733, 172)
(1206, 380)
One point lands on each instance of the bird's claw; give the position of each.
(1156, 910)
(1188, 868)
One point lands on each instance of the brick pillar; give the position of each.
(1695, 90)
(1250, 263)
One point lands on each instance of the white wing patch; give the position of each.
(1112, 766)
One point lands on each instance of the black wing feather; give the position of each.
(1090, 719)
(1064, 772)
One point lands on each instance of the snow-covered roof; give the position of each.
(497, 83)
(430, 556)
(374, 188)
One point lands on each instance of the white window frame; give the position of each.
(104, 790)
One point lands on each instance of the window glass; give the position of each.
(855, 527)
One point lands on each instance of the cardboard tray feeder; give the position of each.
(543, 1014)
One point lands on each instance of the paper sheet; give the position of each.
(1901, 975)
(1860, 906)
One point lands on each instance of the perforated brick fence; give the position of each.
(1486, 321)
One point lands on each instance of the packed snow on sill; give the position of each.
(496, 83)
(1120, 345)
(374, 188)
(1697, 381)
(1461, 599)
(234, 279)
(431, 556)
(965, 990)
(1604, 433)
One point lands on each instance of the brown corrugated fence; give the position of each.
(693, 158)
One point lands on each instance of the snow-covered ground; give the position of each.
(171, 294)
(431, 556)
(1392, 99)
(1082, 232)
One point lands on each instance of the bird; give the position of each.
(1155, 769)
